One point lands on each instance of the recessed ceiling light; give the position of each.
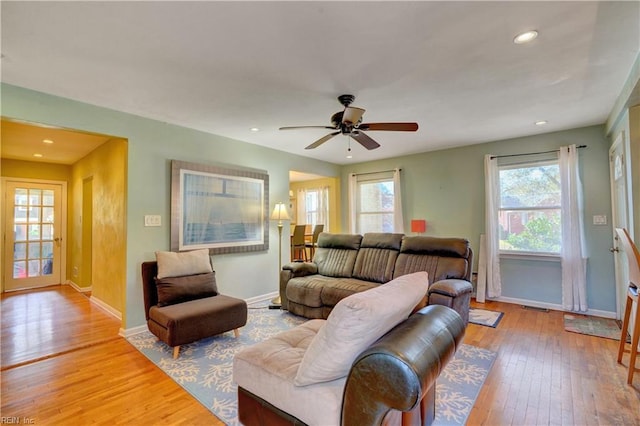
(47, 141)
(541, 122)
(255, 129)
(525, 37)
(349, 156)
(37, 155)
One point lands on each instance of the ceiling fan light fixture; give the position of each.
(525, 37)
(352, 115)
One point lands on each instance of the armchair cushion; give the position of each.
(355, 323)
(173, 290)
(172, 264)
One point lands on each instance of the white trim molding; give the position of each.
(553, 307)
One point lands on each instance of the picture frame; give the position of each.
(217, 207)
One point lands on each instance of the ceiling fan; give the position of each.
(349, 122)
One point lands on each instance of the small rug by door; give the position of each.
(485, 317)
(593, 326)
(205, 368)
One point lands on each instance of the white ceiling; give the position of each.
(225, 67)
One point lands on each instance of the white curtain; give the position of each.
(301, 207)
(353, 193)
(398, 218)
(492, 239)
(322, 213)
(574, 257)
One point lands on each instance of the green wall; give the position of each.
(447, 189)
(444, 187)
(151, 147)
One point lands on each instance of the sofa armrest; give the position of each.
(452, 293)
(401, 368)
(451, 287)
(292, 270)
(301, 269)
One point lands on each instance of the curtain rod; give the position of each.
(374, 173)
(532, 153)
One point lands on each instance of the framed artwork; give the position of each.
(219, 208)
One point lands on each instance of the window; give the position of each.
(316, 206)
(313, 207)
(529, 211)
(375, 206)
(375, 202)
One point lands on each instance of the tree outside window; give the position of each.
(529, 212)
(375, 206)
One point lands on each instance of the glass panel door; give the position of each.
(33, 243)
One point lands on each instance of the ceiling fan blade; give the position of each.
(352, 115)
(306, 127)
(322, 140)
(397, 127)
(364, 140)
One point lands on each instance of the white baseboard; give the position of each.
(552, 306)
(263, 297)
(77, 288)
(132, 331)
(107, 308)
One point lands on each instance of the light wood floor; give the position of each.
(65, 364)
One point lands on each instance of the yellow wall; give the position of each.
(38, 170)
(35, 170)
(335, 225)
(107, 167)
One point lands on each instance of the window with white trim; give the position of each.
(529, 212)
(375, 205)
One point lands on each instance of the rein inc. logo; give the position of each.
(16, 420)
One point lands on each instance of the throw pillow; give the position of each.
(172, 264)
(172, 290)
(355, 323)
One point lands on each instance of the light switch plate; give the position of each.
(152, 220)
(599, 219)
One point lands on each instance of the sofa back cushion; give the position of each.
(336, 254)
(355, 323)
(172, 290)
(377, 257)
(442, 258)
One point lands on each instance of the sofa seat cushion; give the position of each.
(267, 369)
(190, 321)
(336, 290)
(307, 290)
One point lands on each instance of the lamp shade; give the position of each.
(352, 115)
(418, 225)
(280, 212)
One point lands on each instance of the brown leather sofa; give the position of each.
(348, 263)
(391, 382)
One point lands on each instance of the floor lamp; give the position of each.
(279, 214)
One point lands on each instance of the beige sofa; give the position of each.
(345, 264)
(370, 360)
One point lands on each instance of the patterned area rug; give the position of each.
(485, 317)
(593, 326)
(204, 368)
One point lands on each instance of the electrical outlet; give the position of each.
(152, 220)
(75, 271)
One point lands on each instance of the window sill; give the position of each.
(531, 256)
